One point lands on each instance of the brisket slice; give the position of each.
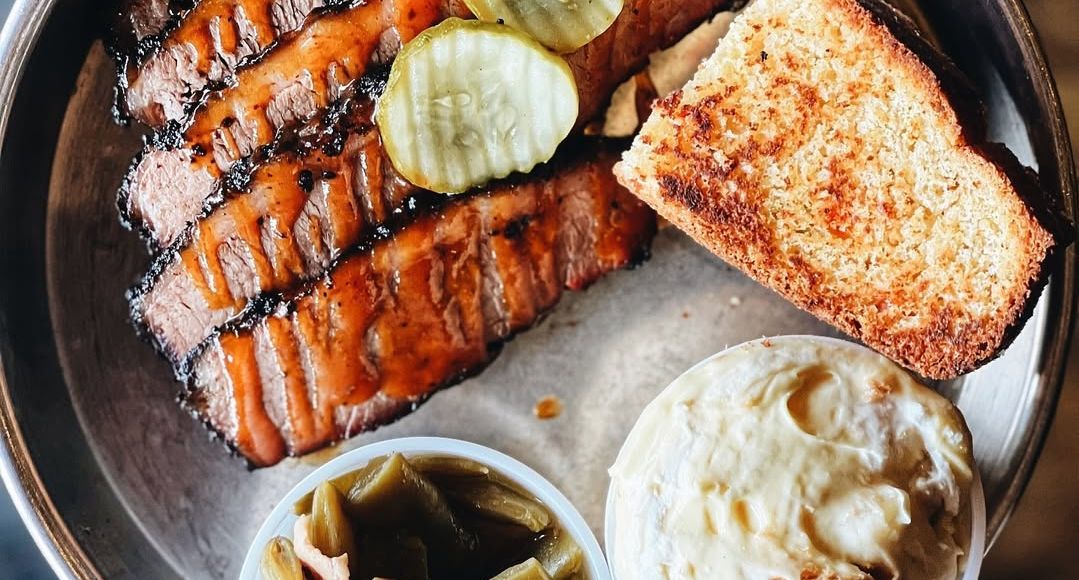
(422, 309)
(301, 210)
(178, 173)
(138, 24)
(204, 50)
(171, 186)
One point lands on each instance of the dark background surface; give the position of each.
(1041, 539)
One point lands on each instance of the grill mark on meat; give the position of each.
(236, 124)
(337, 81)
(289, 85)
(521, 297)
(237, 266)
(543, 243)
(391, 323)
(330, 331)
(369, 182)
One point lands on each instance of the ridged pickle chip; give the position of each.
(470, 101)
(562, 25)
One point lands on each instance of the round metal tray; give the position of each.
(113, 479)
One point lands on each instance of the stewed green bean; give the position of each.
(427, 518)
(279, 561)
(331, 530)
(530, 569)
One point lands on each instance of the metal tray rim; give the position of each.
(54, 540)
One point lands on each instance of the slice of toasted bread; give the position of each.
(833, 155)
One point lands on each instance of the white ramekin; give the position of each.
(973, 564)
(281, 519)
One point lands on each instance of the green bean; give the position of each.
(530, 569)
(343, 483)
(395, 494)
(444, 471)
(500, 502)
(388, 555)
(453, 517)
(560, 555)
(435, 466)
(279, 561)
(331, 532)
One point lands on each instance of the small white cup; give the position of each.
(976, 552)
(281, 520)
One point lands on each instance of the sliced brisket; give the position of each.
(174, 178)
(204, 50)
(138, 24)
(391, 323)
(169, 187)
(302, 209)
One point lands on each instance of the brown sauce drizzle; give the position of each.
(331, 322)
(421, 292)
(411, 329)
(195, 29)
(256, 435)
(307, 431)
(344, 40)
(265, 219)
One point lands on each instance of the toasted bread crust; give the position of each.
(699, 180)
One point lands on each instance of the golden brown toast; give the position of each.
(833, 155)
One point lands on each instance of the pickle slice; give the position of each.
(562, 25)
(471, 101)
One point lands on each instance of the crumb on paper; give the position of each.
(685, 314)
(767, 342)
(735, 301)
(548, 407)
